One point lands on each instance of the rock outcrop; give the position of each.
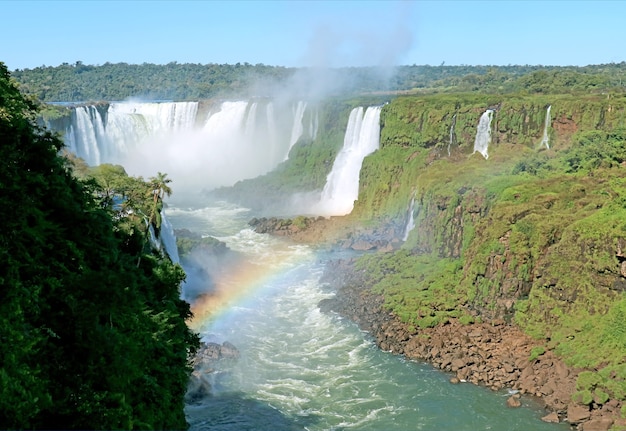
(209, 359)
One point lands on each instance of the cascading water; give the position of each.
(410, 223)
(109, 138)
(545, 141)
(342, 185)
(298, 128)
(452, 134)
(238, 140)
(301, 369)
(168, 238)
(86, 130)
(483, 134)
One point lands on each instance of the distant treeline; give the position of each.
(173, 81)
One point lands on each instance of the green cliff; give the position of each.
(532, 235)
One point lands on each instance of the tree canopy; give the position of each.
(173, 81)
(91, 339)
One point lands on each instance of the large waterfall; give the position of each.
(236, 140)
(342, 185)
(483, 134)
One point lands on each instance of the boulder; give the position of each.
(513, 402)
(577, 413)
(599, 424)
(551, 418)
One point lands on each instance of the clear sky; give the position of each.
(312, 33)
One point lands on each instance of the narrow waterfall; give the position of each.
(545, 141)
(251, 120)
(410, 223)
(452, 134)
(297, 127)
(362, 137)
(483, 134)
(168, 238)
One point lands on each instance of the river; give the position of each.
(301, 369)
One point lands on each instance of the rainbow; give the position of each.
(237, 284)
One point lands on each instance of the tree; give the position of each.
(96, 342)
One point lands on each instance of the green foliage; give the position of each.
(81, 82)
(97, 341)
(418, 289)
(595, 149)
(535, 352)
(533, 233)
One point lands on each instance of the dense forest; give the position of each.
(79, 82)
(92, 326)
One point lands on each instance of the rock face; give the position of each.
(209, 358)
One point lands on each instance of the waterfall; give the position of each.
(86, 131)
(297, 127)
(483, 133)
(168, 239)
(237, 140)
(545, 141)
(452, 134)
(342, 184)
(251, 120)
(410, 223)
(109, 138)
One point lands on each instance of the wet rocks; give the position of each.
(209, 358)
(334, 232)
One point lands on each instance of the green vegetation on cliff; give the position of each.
(532, 235)
(91, 323)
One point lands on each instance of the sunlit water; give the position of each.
(301, 369)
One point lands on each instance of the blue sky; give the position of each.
(312, 33)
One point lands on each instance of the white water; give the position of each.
(238, 140)
(298, 127)
(410, 223)
(342, 185)
(451, 133)
(545, 141)
(168, 238)
(483, 134)
(301, 369)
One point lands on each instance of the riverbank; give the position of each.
(493, 354)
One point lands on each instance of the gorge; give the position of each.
(528, 237)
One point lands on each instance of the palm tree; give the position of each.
(158, 188)
(159, 185)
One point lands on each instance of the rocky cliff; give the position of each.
(515, 263)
